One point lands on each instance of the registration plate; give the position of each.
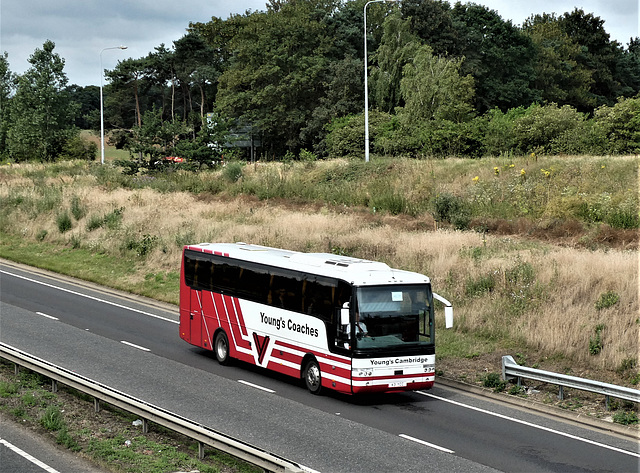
(398, 384)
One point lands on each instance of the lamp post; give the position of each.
(366, 87)
(101, 103)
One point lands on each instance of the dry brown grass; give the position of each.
(560, 319)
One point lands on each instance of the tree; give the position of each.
(276, 75)
(397, 48)
(432, 22)
(42, 113)
(88, 98)
(560, 77)
(6, 86)
(434, 89)
(129, 75)
(498, 55)
(599, 53)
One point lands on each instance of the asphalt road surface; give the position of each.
(132, 344)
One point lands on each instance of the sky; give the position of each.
(83, 29)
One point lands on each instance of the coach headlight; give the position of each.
(429, 368)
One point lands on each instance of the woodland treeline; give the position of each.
(444, 80)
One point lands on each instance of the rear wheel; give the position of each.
(221, 348)
(312, 376)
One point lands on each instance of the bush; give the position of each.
(620, 126)
(595, 343)
(540, 126)
(79, 148)
(64, 222)
(233, 171)
(625, 417)
(451, 209)
(52, 419)
(142, 247)
(78, 210)
(480, 286)
(607, 299)
(494, 381)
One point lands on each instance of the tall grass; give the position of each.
(507, 291)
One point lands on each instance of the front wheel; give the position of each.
(312, 377)
(221, 348)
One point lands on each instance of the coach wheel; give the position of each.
(312, 377)
(221, 348)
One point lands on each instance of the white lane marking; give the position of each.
(26, 456)
(134, 345)
(47, 316)
(256, 386)
(75, 293)
(432, 445)
(535, 426)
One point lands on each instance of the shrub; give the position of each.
(494, 381)
(540, 126)
(620, 125)
(64, 222)
(480, 286)
(498, 136)
(595, 343)
(449, 208)
(607, 299)
(113, 219)
(79, 148)
(307, 156)
(625, 417)
(52, 419)
(94, 222)
(233, 171)
(141, 247)
(78, 210)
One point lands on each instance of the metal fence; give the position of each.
(512, 370)
(148, 412)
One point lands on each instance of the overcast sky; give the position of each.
(81, 29)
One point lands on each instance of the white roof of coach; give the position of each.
(354, 270)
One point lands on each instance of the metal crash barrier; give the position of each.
(512, 370)
(203, 435)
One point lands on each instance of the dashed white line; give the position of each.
(134, 345)
(76, 293)
(47, 316)
(256, 386)
(530, 424)
(432, 445)
(26, 456)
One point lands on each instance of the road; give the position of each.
(133, 345)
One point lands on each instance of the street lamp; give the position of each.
(101, 104)
(366, 87)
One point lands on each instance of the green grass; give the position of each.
(97, 267)
(118, 448)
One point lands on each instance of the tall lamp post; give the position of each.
(101, 103)
(366, 87)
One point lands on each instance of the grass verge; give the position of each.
(108, 438)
